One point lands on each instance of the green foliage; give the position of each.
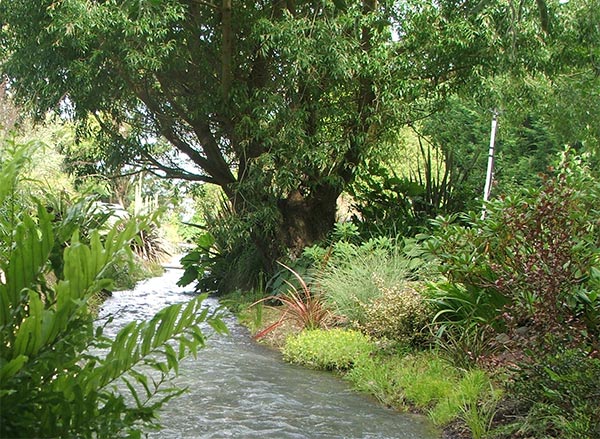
(537, 252)
(85, 213)
(386, 200)
(436, 168)
(59, 376)
(400, 313)
(425, 381)
(559, 393)
(465, 322)
(303, 307)
(305, 111)
(197, 262)
(377, 376)
(465, 305)
(149, 245)
(479, 403)
(467, 347)
(348, 287)
(334, 349)
(281, 140)
(354, 276)
(226, 257)
(453, 146)
(126, 271)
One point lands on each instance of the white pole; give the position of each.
(490, 166)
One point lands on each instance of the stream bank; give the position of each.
(241, 389)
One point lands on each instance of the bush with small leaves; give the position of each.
(400, 313)
(334, 349)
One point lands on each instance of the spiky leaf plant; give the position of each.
(304, 308)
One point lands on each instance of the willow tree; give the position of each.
(277, 102)
(273, 101)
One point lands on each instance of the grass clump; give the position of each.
(428, 383)
(334, 349)
(349, 286)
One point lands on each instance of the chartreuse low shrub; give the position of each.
(400, 313)
(334, 349)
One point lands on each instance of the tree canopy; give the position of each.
(278, 103)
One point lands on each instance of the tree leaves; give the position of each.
(54, 380)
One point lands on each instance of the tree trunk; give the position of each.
(307, 219)
(304, 220)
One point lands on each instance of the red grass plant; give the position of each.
(301, 307)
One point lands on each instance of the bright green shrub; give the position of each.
(400, 313)
(334, 349)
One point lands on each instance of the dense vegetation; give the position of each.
(327, 158)
(489, 325)
(60, 376)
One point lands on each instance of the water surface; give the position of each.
(240, 389)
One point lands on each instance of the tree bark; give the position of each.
(306, 219)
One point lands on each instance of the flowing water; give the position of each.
(240, 389)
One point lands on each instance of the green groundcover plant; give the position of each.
(429, 383)
(334, 349)
(59, 375)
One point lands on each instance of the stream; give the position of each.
(241, 389)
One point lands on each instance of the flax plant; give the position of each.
(303, 308)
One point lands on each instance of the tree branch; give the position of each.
(226, 48)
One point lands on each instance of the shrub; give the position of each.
(559, 394)
(537, 251)
(399, 314)
(334, 349)
(348, 284)
(464, 306)
(350, 276)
